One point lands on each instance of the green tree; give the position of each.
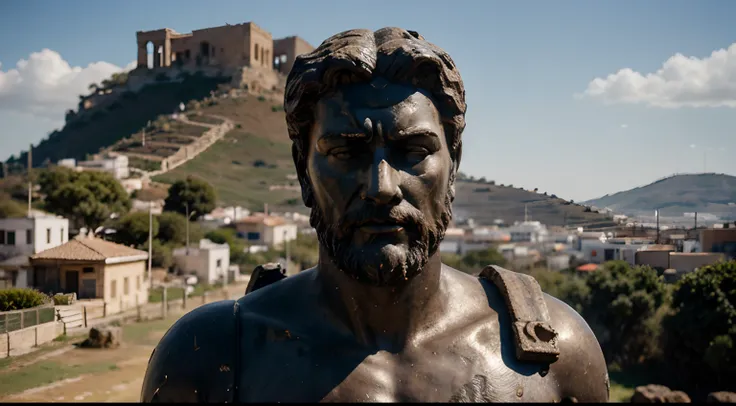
(564, 285)
(623, 301)
(474, 261)
(161, 254)
(173, 229)
(700, 334)
(196, 194)
(86, 198)
(132, 229)
(10, 208)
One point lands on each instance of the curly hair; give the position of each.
(358, 56)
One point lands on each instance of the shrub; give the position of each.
(21, 298)
(261, 98)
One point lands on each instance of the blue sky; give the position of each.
(522, 62)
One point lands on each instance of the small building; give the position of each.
(610, 249)
(453, 241)
(721, 240)
(209, 261)
(116, 165)
(93, 268)
(25, 236)
(266, 230)
(528, 231)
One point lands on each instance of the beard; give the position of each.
(376, 263)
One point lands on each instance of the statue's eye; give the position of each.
(417, 152)
(342, 153)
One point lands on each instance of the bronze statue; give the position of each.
(376, 120)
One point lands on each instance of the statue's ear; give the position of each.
(300, 164)
(456, 167)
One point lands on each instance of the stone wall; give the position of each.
(191, 150)
(22, 341)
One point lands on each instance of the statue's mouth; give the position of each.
(373, 227)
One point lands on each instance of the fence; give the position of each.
(19, 319)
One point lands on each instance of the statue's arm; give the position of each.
(196, 359)
(581, 370)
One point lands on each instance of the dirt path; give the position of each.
(73, 374)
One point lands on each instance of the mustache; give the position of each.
(403, 214)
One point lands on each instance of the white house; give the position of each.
(116, 165)
(603, 250)
(453, 241)
(530, 231)
(25, 236)
(267, 230)
(209, 261)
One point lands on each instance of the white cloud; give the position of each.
(624, 126)
(681, 82)
(45, 85)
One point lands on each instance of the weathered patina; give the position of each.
(376, 120)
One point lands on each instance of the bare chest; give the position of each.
(472, 367)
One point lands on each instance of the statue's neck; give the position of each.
(385, 317)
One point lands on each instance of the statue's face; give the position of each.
(379, 168)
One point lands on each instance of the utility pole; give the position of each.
(526, 216)
(696, 220)
(656, 214)
(288, 255)
(150, 242)
(30, 182)
(186, 208)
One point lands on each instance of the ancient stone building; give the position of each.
(227, 46)
(286, 50)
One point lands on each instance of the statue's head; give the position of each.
(376, 120)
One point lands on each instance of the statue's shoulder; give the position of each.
(196, 360)
(547, 330)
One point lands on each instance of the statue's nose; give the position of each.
(382, 185)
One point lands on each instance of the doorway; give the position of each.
(72, 282)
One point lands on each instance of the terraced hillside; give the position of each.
(252, 164)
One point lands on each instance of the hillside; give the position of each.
(486, 202)
(252, 165)
(117, 120)
(704, 193)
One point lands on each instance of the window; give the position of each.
(2, 237)
(255, 56)
(48, 236)
(126, 288)
(10, 238)
(29, 236)
(187, 54)
(62, 235)
(254, 236)
(113, 289)
(219, 263)
(88, 269)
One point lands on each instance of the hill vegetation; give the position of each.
(707, 193)
(107, 125)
